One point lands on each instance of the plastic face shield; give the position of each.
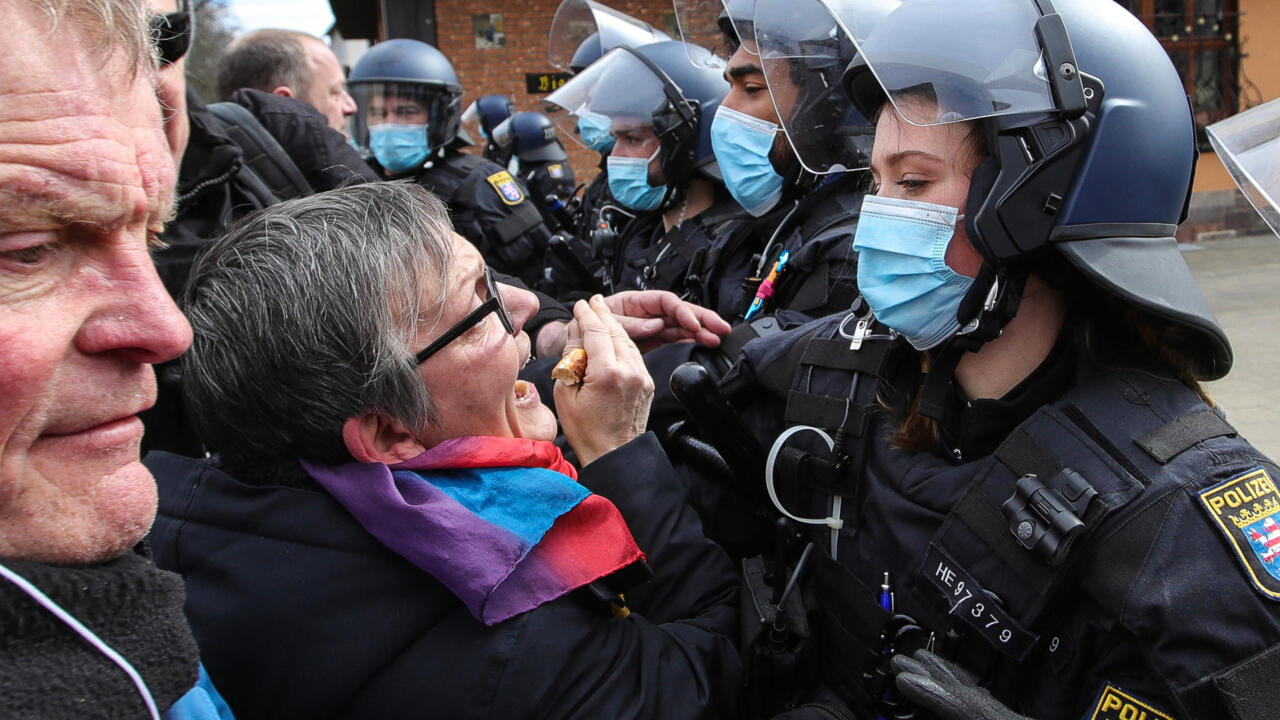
(619, 86)
(717, 25)
(803, 51)
(577, 20)
(503, 136)
(1249, 146)
(982, 62)
(401, 104)
(471, 122)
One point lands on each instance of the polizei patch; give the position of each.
(507, 187)
(1115, 704)
(1246, 509)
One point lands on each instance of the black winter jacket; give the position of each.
(213, 190)
(300, 613)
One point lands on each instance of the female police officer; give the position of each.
(1055, 507)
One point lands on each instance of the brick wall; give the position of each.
(501, 70)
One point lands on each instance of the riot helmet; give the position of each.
(653, 97)
(1090, 143)
(486, 113)
(803, 48)
(531, 137)
(409, 103)
(582, 31)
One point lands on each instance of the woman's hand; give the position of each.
(610, 407)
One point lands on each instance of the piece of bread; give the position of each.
(571, 367)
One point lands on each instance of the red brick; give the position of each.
(502, 70)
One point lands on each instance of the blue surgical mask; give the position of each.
(399, 148)
(629, 182)
(594, 129)
(742, 144)
(902, 268)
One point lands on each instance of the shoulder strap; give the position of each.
(523, 218)
(448, 174)
(262, 153)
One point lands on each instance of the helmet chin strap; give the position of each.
(992, 301)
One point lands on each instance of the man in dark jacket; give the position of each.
(290, 64)
(222, 178)
(308, 606)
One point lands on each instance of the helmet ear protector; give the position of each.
(1031, 166)
(1018, 190)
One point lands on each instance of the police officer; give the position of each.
(805, 193)
(1053, 521)
(485, 114)
(409, 106)
(537, 158)
(581, 32)
(661, 167)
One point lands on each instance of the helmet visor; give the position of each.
(972, 60)
(803, 51)
(503, 135)
(720, 26)
(1249, 145)
(405, 104)
(471, 122)
(620, 87)
(577, 20)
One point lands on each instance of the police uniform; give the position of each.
(679, 259)
(548, 178)
(580, 258)
(1100, 544)
(1097, 542)
(490, 208)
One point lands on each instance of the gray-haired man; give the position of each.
(86, 181)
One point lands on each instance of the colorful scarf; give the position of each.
(502, 522)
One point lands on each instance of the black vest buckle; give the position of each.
(1045, 518)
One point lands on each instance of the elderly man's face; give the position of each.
(328, 90)
(85, 179)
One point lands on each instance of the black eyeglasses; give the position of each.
(172, 32)
(491, 304)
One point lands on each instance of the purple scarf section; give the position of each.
(474, 512)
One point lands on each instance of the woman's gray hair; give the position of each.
(109, 24)
(303, 314)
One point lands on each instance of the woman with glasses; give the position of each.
(386, 529)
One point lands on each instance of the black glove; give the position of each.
(945, 689)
